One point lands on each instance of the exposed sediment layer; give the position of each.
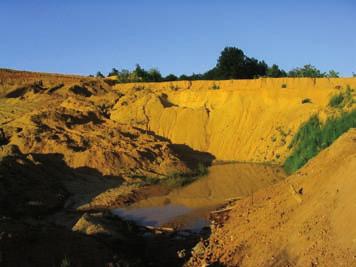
(242, 120)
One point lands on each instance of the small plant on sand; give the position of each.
(173, 87)
(284, 85)
(314, 136)
(306, 100)
(215, 87)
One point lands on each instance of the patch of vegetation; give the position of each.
(284, 85)
(312, 72)
(342, 99)
(282, 132)
(215, 87)
(232, 63)
(306, 100)
(314, 136)
(173, 87)
(138, 87)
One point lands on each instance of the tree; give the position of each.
(140, 73)
(99, 75)
(124, 76)
(306, 71)
(170, 77)
(153, 75)
(231, 63)
(275, 72)
(234, 64)
(184, 77)
(333, 74)
(114, 72)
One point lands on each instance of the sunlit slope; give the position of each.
(244, 120)
(306, 220)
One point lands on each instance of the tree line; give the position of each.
(231, 64)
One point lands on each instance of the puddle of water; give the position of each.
(152, 216)
(188, 207)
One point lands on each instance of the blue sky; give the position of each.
(186, 36)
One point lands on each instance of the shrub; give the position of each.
(313, 136)
(306, 100)
(342, 99)
(215, 87)
(336, 100)
(284, 85)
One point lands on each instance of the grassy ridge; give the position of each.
(314, 136)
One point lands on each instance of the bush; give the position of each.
(336, 100)
(284, 85)
(215, 87)
(306, 100)
(313, 136)
(342, 99)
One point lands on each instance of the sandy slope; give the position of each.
(71, 138)
(244, 120)
(307, 220)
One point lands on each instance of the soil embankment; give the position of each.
(73, 147)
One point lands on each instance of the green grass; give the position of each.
(342, 99)
(314, 136)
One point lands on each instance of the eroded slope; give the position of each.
(306, 220)
(245, 120)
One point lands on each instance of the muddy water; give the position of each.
(188, 207)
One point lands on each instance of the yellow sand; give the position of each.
(243, 120)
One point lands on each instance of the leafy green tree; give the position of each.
(184, 77)
(306, 71)
(231, 64)
(170, 77)
(114, 72)
(153, 75)
(124, 76)
(99, 75)
(275, 72)
(333, 74)
(140, 73)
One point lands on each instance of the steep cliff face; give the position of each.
(245, 120)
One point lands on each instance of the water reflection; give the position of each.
(188, 207)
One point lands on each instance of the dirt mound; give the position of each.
(34, 88)
(306, 220)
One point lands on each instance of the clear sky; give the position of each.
(185, 36)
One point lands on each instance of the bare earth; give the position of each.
(72, 148)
